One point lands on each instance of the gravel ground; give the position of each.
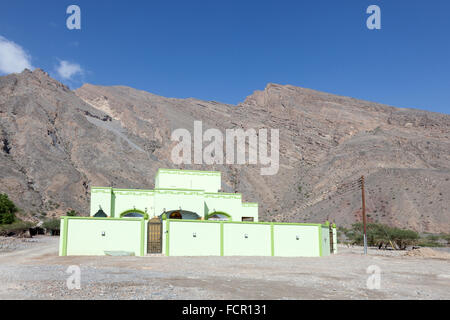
(32, 270)
(9, 244)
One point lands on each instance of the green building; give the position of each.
(186, 215)
(180, 194)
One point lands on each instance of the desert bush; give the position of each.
(403, 237)
(71, 213)
(382, 235)
(433, 240)
(424, 242)
(15, 228)
(446, 237)
(51, 224)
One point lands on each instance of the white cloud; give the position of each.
(13, 58)
(67, 70)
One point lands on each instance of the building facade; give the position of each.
(186, 214)
(180, 194)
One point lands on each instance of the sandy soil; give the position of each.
(32, 270)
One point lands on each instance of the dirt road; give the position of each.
(34, 271)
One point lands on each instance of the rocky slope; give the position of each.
(56, 143)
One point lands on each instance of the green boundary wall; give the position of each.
(235, 238)
(94, 236)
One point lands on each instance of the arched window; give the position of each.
(219, 216)
(134, 213)
(181, 214)
(175, 215)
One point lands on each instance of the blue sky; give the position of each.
(224, 50)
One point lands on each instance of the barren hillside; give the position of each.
(56, 143)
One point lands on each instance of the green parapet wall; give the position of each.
(209, 181)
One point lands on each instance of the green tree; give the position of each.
(403, 237)
(379, 235)
(7, 210)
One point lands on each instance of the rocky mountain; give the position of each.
(56, 143)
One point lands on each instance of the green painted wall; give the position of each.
(325, 241)
(194, 191)
(188, 200)
(84, 236)
(224, 202)
(129, 199)
(190, 190)
(249, 210)
(257, 243)
(287, 245)
(209, 181)
(101, 197)
(194, 238)
(334, 240)
(234, 243)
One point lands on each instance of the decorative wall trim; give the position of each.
(101, 190)
(139, 190)
(189, 172)
(130, 192)
(98, 218)
(185, 192)
(221, 195)
(250, 204)
(249, 222)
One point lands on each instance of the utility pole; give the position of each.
(363, 197)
